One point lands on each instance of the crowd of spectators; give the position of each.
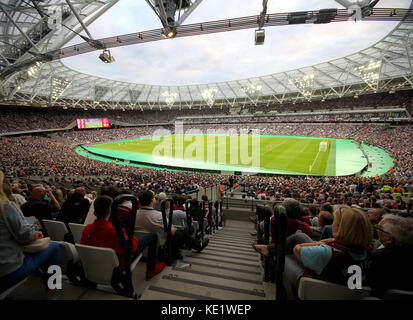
(378, 243)
(54, 158)
(388, 116)
(15, 119)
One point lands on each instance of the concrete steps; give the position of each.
(227, 269)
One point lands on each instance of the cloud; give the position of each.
(225, 56)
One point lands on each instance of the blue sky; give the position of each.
(224, 56)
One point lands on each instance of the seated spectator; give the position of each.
(18, 198)
(75, 208)
(375, 216)
(38, 207)
(14, 234)
(102, 233)
(293, 210)
(58, 194)
(325, 218)
(108, 190)
(7, 191)
(392, 265)
(159, 198)
(179, 203)
(91, 196)
(314, 211)
(149, 219)
(179, 216)
(327, 207)
(310, 214)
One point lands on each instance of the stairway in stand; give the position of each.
(228, 268)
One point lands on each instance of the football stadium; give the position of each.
(170, 150)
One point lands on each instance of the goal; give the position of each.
(323, 146)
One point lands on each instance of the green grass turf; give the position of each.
(277, 154)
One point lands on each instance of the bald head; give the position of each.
(375, 215)
(38, 193)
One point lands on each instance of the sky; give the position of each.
(224, 56)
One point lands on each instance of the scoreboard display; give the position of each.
(93, 123)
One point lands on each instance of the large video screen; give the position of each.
(93, 123)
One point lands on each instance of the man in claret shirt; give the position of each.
(102, 233)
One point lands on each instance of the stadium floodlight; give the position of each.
(106, 57)
(34, 68)
(259, 36)
(305, 84)
(170, 97)
(209, 96)
(252, 89)
(369, 72)
(59, 85)
(260, 32)
(169, 33)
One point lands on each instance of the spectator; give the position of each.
(14, 233)
(325, 218)
(392, 265)
(75, 208)
(327, 259)
(36, 206)
(102, 233)
(375, 216)
(159, 198)
(148, 219)
(293, 210)
(18, 198)
(108, 190)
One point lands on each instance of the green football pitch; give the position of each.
(228, 154)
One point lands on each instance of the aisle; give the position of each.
(227, 269)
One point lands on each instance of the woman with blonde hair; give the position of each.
(15, 233)
(329, 259)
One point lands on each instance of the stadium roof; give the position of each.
(31, 36)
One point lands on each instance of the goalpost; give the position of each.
(322, 148)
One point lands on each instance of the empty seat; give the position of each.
(314, 289)
(68, 255)
(76, 230)
(99, 263)
(55, 229)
